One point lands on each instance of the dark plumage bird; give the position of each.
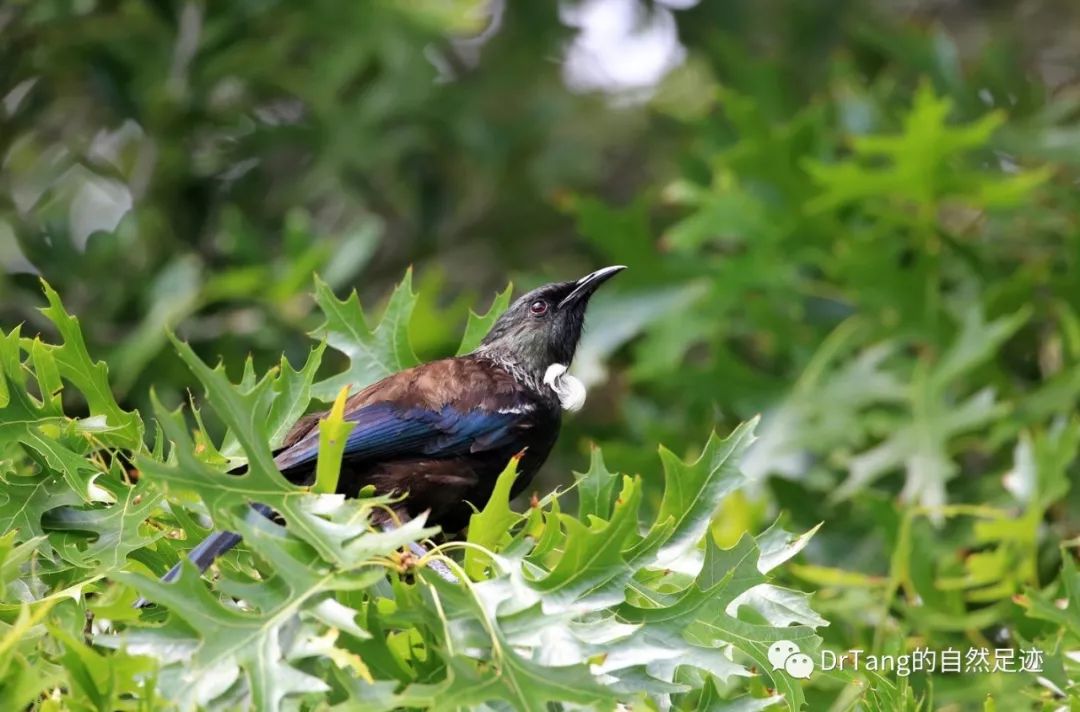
(440, 433)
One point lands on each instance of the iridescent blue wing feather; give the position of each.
(385, 431)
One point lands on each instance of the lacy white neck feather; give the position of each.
(570, 390)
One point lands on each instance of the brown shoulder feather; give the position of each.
(466, 382)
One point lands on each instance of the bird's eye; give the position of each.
(539, 307)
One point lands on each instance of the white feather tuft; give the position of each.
(570, 390)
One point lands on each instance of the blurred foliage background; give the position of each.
(857, 218)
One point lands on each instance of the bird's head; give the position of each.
(543, 327)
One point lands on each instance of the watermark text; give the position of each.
(947, 660)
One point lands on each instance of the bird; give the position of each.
(438, 435)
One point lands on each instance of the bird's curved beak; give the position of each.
(589, 283)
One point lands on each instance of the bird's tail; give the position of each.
(207, 551)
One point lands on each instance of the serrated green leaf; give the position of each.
(477, 327)
(519, 683)
(1065, 613)
(259, 641)
(692, 491)
(778, 545)
(372, 353)
(779, 606)
(46, 442)
(513, 677)
(292, 394)
(595, 488)
(119, 529)
(231, 640)
(701, 612)
(488, 526)
(916, 164)
(919, 444)
(90, 377)
(24, 500)
(592, 572)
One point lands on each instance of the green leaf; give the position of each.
(478, 325)
(333, 437)
(704, 613)
(778, 545)
(292, 394)
(693, 490)
(490, 525)
(90, 377)
(289, 396)
(14, 552)
(119, 529)
(230, 641)
(592, 572)
(595, 488)
(372, 353)
(1065, 611)
(60, 445)
(99, 680)
(779, 606)
(825, 411)
(917, 165)
(16, 400)
(511, 673)
(919, 442)
(262, 642)
(48, 441)
(514, 680)
(24, 500)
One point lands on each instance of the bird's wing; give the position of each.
(439, 409)
(385, 431)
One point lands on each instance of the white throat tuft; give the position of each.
(570, 390)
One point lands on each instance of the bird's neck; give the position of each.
(551, 384)
(528, 375)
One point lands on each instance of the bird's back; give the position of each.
(441, 432)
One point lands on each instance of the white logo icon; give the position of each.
(785, 655)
